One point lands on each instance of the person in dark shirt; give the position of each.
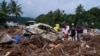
(73, 33)
(79, 32)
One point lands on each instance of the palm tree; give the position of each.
(3, 10)
(15, 10)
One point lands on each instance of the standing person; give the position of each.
(65, 35)
(73, 33)
(67, 28)
(79, 32)
(65, 31)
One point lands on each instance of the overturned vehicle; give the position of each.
(43, 30)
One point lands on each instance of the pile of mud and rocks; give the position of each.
(36, 45)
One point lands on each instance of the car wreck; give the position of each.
(42, 30)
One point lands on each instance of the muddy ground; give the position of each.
(37, 46)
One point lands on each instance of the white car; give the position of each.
(43, 30)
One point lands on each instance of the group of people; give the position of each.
(70, 30)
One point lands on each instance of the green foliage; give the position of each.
(14, 9)
(52, 17)
(90, 17)
(8, 9)
(3, 11)
(20, 20)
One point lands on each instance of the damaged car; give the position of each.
(43, 30)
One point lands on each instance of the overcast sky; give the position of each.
(33, 8)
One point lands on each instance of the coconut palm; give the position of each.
(3, 11)
(15, 9)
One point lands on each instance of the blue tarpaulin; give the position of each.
(17, 38)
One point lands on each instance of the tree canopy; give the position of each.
(8, 9)
(90, 17)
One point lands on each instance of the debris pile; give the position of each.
(37, 45)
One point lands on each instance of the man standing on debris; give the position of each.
(73, 32)
(79, 32)
(65, 31)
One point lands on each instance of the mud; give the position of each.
(37, 46)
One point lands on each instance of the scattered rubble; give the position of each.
(38, 45)
(5, 38)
